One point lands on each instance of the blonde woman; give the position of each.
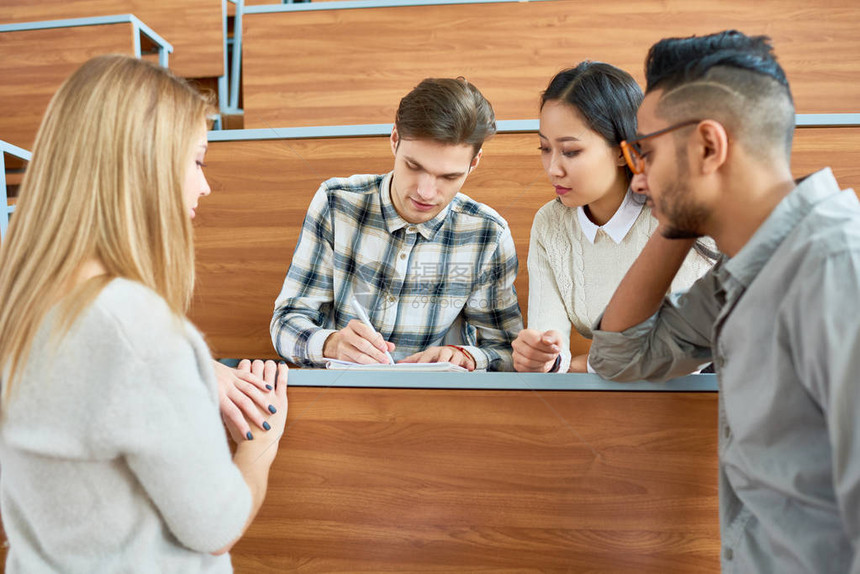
(111, 445)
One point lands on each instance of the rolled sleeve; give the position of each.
(306, 296)
(493, 310)
(674, 341)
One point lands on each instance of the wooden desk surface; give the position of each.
(484, 381)
(383, 480)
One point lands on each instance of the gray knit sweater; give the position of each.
(113, 457)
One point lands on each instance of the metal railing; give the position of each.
(228, 84)
(139, 28)
(502, 126)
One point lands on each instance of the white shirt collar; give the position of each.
(621, 223)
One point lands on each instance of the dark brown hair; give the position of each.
(446, 110)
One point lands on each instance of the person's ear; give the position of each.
(395, 140)
(712, 145)
(476, 160)
(619, 159)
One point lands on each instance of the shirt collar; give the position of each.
(621, 222)
(748, 262)
(393, 221)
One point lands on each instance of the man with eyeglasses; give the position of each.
(778, 314)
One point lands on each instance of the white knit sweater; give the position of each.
(571, 280)
(113, 452)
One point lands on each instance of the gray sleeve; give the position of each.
(675, 341)
(170, 433)
(823, 315)
(493, 309)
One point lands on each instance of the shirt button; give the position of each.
(403, 256)
(410, 229)
(391, 299)
(728, 553)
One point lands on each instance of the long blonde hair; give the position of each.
(104, 183)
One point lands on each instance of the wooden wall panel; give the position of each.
(836, 147)
(355, 65)
(193, 27)
(247, 229)
(35, 63)
(384, 480)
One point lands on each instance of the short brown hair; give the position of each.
(446, 110)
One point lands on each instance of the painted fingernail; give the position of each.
(272, 409)
(269, 387)
(249, 436)
(266, 426)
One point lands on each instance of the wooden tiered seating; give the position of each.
(386, 480)
(247, 229)
(333, 67)
(35, 63)
(194, 27)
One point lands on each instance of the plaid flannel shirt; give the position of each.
(447, 280)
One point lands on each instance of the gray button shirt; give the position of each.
(781, 321)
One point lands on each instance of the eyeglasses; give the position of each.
(633, 154)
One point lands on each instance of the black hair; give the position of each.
(732, 78)
(675, 61)
(607, 98)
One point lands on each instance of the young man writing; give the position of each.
(429, 265)
(778, 315)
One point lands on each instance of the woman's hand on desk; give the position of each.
(536, 352)
(245, 396)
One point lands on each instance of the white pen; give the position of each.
(362, 315)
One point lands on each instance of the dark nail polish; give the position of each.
(272, 409)
(266, 426)
(269, 387)
(249, 436)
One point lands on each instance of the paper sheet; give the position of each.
(407, 367)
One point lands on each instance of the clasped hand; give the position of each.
(250, 393)
(536, 352)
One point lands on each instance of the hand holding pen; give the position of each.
(358, 342)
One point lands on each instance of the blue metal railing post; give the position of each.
(235, 72)
(5, 208)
